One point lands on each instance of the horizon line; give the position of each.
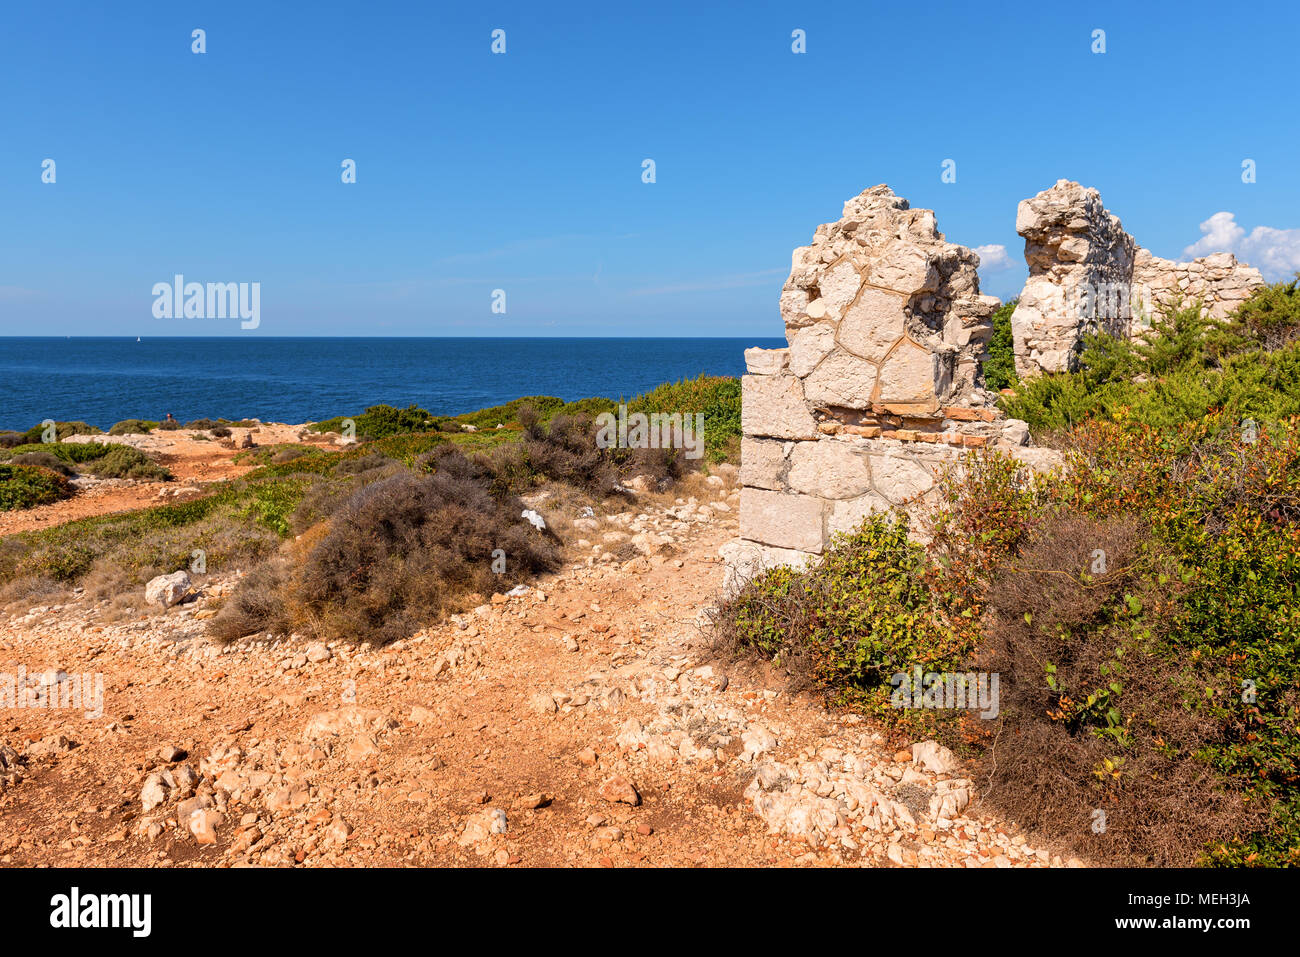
(234, 337)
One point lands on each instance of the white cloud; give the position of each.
(993, 258)
(1274, 252)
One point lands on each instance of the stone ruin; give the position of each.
(880, 390)
(1086, 274)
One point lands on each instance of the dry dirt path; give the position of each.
(581, 723)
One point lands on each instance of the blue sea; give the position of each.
(102, 381)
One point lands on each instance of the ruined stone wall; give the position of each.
(1086, 274)
(879, 390)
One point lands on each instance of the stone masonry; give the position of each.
(879, 391)
(1086, 274)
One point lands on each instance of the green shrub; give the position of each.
(404, 448)
(381, 421)
(1187, 368)
(62, 430)
(71, 452)
(857, 616)
(272, 503)
(1271, 316)
(716, 397)
(546, 407)
(123, 461)
(1162, 685)
(132, 427)
(43, 459)
(26, 486)
(1000, 366)
(107, 460)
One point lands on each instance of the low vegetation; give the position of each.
(26, 486)
(106, 460)
(1000, 366)
(133, 427)
(373, 540)
(717, 398)
(1188, 368)
(1141, 605)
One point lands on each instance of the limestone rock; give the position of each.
(620, 790)
(934, 757)
(349, 719)
(841, 379)
(762, 463)
(746, 560)
(167, 590)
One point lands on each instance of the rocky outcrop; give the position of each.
(880, 390)
(1086, 274)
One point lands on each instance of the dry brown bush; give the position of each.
(1046, 760)
(257, 604)
(392, 557)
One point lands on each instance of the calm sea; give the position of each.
(102, 381)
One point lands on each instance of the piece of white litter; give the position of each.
(533, 519)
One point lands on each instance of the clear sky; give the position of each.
(523, 171)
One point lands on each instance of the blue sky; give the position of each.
(523, 171)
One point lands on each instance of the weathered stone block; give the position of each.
(762, 462)
(809, 346)
(899, 478)
(766, 361)
(777, 518)
(838, 286)
(908, 375)
(746, 560)
(773, 405)
(905, 268)
(842, 379)
(830, 468)
(874, 321)
(846, 515)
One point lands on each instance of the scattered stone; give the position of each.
(168, 590)
(171, 754)
(934, 757)
(154, 792)
(318, 652)
(620, 790)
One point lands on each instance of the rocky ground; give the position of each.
(581, 722)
